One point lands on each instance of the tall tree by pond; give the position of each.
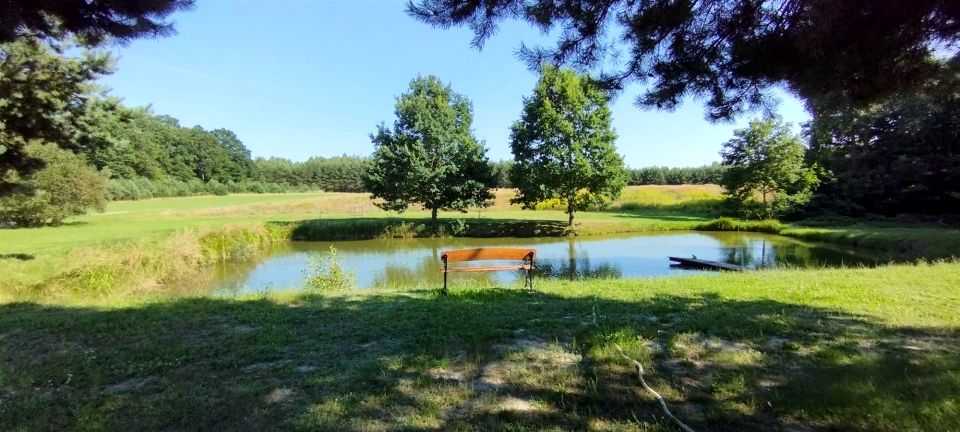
(766, 161)
(430, 157)
(563, 144)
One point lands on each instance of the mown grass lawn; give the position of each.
(844, 349)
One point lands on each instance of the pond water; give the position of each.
(416, 262)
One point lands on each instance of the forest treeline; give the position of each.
(152, 156)
(707, 174)
(898, 155)
(147, 156)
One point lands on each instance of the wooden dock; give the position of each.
(702, 264)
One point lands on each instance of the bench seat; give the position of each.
(489, 268)
(523, 255)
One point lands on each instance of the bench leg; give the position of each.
(529, 282)
(444, 282)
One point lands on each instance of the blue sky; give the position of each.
(313, 78)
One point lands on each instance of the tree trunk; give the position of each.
(570, 212)
(433, 217)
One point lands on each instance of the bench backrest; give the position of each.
(487, 254)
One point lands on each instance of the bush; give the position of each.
(324, 273)
(65, 187)
(726, 224)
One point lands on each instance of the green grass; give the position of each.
(39, 261)
(136, 220)
(845, 349)
(898, 242)
(30, 257)
(99, 329)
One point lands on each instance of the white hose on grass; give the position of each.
(663, 403)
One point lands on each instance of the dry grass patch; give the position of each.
(352, 204)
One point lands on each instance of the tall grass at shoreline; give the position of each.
(145, 267)
(157, 246)
(170, 266)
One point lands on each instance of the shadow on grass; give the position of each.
(370, 228)
(474, 360)
(704, 207)
(17, 256)
(666, 217)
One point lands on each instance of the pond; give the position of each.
(416, 262)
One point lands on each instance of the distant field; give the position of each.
(131, 220)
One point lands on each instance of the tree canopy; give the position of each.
(563, 144)
(430, 157)
(43, 95)
(901, 156)
(89, 21)
(727, 52)
(766, 160)
(66, 186)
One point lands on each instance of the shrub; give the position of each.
(235, 243)
(65, 187)
(727, 224)
(766, 161)
(217, 188)
(324, 273)
(402, 230)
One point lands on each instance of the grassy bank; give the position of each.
(50, 260)
(146, 247)
(898, 242)
(166, 266)
(101, 328)
(853, 349)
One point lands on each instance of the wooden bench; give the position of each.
(525, 256)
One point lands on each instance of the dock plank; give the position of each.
(706, 264)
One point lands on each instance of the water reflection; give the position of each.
(416, 262)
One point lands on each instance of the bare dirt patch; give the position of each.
(506, 383)
(278, 395)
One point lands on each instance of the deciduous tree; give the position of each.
(240, 167)
(766, 160)
(430, 156)
(563, 144)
